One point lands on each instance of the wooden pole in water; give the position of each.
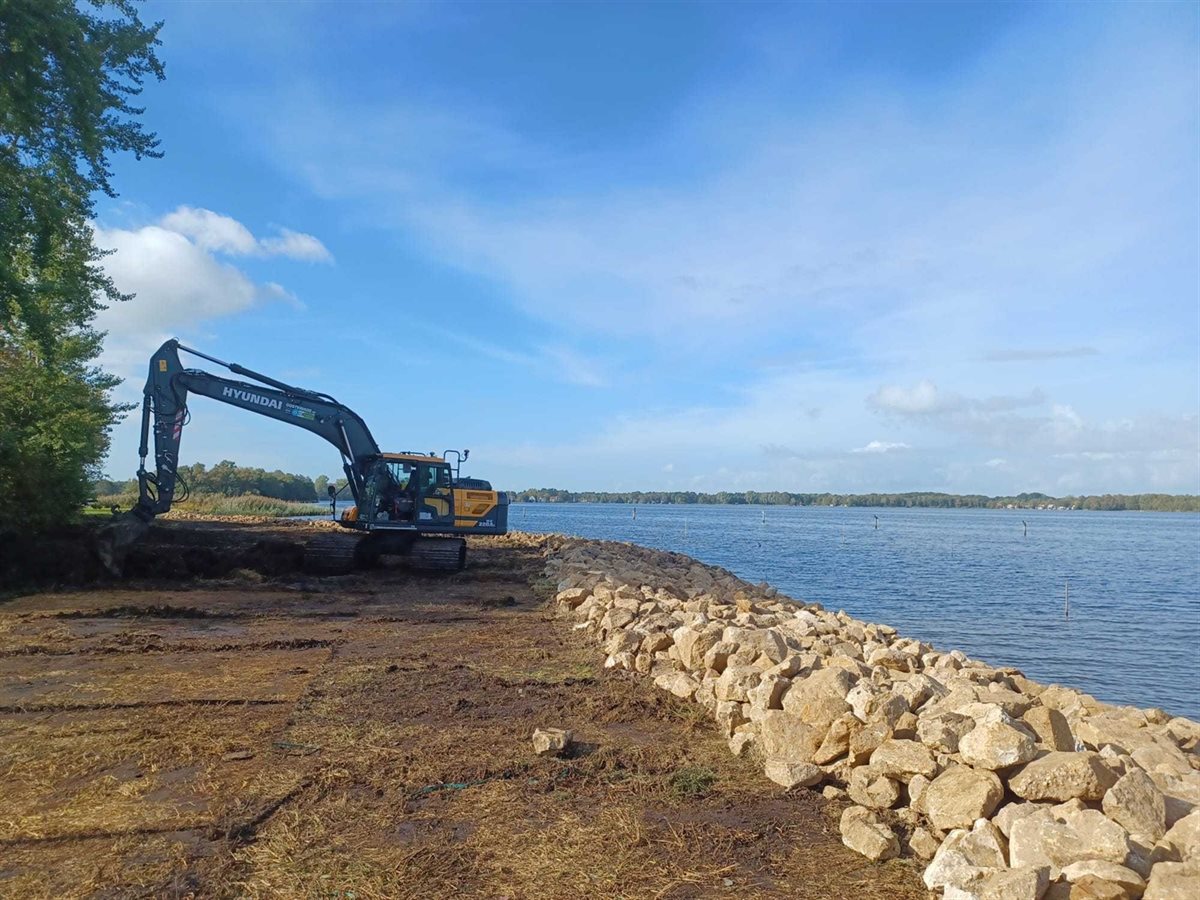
(877, 523)
(1067, 598)
(1026, 524)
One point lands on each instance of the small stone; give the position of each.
(863, 833)
(741, 743)
(923, 844)
(868, 788)
(551, 741)
(235, 755)
(942, 732)
(836, 743)
(1136, 803)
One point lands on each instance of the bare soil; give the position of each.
(368, 736)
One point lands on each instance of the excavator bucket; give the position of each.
(115, 539)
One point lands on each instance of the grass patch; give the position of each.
(692, 781)
(218, 505)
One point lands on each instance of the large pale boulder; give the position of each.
(791, 774)
(866, 740)
(903, 759)
(818, 710)
(1130, 882)
(784, 737)
(1174, 881)
(996, 745)
(832, 682)
(735, 683)
(1061, 835)
(1002, 884)
(1136, 803)
(959, 796)
(863, 832)
(572, 597)
(1051, 727)
(965, 856)
(680, 684)
(763, 641)
(1181, 843)
(1063, 776)
(1014, 812)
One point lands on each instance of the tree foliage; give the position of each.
(229, 479)
(68, 78)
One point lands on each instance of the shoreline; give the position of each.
(992, 779)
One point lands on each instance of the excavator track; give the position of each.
(331, 554)
(434, 554)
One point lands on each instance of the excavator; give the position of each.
(413, 505)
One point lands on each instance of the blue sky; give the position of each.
(801, 247)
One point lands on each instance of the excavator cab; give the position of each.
(407, 489)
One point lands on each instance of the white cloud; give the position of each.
(211, 231)
(881, 447)
(1036, 355)
(922, 398)
(179, 282)
(295, 245)
(223, 234)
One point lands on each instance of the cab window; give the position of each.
(401, 473)
(435, 477)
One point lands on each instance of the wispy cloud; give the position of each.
(1035, 355)
(217, 233)
(882, 447)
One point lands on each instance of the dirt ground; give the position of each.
(369, 736)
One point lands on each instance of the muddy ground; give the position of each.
(236, 735)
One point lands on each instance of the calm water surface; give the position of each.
(966, 579)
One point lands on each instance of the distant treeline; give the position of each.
(1155, 502)
(231, 480)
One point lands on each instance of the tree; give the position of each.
(67, 79)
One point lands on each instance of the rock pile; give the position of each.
(1007, 788)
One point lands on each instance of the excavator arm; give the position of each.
(165, 413)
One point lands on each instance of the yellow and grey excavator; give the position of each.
(414, 505)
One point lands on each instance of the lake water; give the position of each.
(962, 579)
